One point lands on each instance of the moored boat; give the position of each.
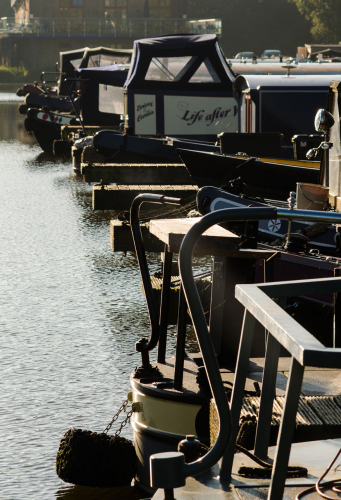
(263, 177)
(49, 113)
(179, 86)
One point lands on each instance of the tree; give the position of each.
(325, 18)
(255, 25)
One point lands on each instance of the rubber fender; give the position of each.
(62, 147)
(29, 124)
(23, 109)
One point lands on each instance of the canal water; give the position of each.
(71, 312)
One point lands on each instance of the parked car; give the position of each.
(271, 54)
(245, 55)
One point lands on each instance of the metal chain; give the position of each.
(124, 423)
(115, 417)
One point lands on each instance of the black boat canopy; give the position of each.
(102, 94)
(72, 60)
(69, 61)
(107, 75)
(280, 103)
(192, 62)
(103, 56)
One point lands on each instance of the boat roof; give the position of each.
(268, 68)
(186, 54)
(115, 74)
(175, 42)
(104, 56)
(257, 82)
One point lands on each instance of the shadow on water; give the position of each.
(87, 493)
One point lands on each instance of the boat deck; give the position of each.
(319, 412)
(316, 456)
(319, 416)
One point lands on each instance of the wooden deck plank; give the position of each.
(172, 232)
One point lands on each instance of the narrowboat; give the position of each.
(176, 398)
(178, 86)
(46, 114)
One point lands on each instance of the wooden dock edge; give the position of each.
(121, 239)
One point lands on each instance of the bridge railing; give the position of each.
(139, 27)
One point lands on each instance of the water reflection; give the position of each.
(12, 124)
(71, 312)
(68, 321)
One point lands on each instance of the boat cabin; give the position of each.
(68, 62)
(284, 104)
(103, 56)
(180, 85)
(102, 94)
(72, 60)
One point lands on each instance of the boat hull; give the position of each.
(46, 127)
(135, 149)
(265, 178)
(324, 238)
(163, 416)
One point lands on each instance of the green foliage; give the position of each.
(325, 17)
(9, 75)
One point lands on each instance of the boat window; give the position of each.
(110, 99)
(76, 62)
(205, 73)
(101, 60)
(167, 69)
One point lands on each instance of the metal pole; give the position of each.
(337, 313)
(145, 346)
(164, 308)
(180, 344)
(326, 169)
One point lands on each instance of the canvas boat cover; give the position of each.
(103, 56)
(193, 62)
(107, 75)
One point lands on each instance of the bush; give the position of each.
(12, 74)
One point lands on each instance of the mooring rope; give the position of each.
(266, 468)
(335, 483)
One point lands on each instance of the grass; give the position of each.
(12, 74)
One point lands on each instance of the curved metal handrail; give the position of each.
(182, 470)
(197, 313)
(146, 346)
(201, 329)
